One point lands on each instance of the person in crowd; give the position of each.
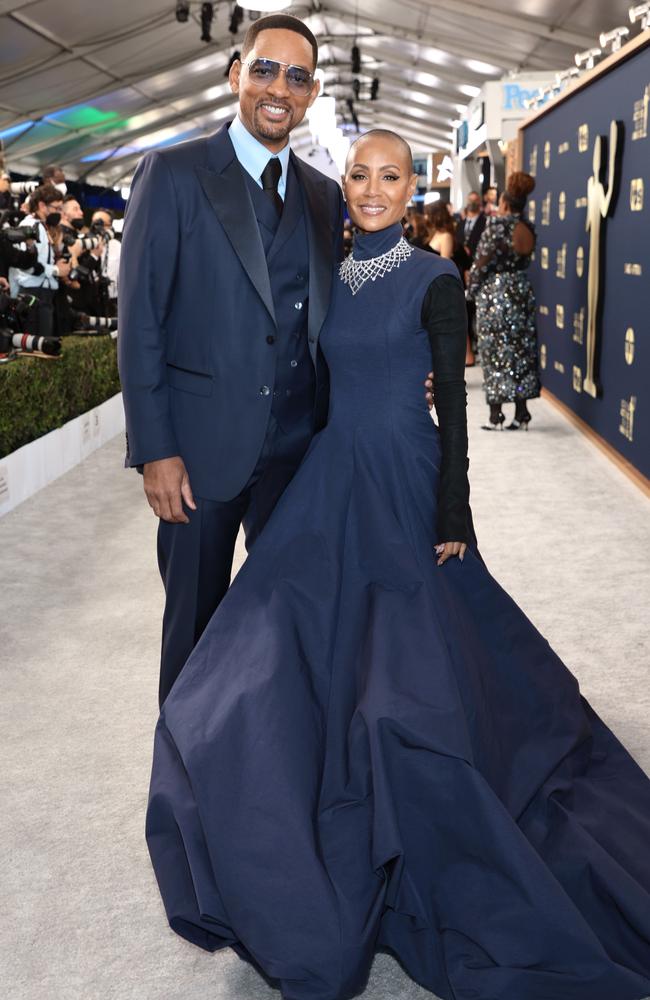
(55, 176)
(72, 216)
(223, 383)
(441, 230)
(469, 230)
(491, 201)
(109, 255)
(505, 307)
(5, 191)
(371, 746)
(472, 224)
(45, 205)
(419, 231)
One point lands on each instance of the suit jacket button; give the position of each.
(312, 340)
(265, 391)
(270, 339)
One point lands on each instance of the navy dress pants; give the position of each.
(195, 559)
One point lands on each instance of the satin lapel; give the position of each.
(319, 234)
(227, 193)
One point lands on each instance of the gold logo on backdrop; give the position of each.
(563, 148)
(599, 204)
(546, 210)
(560, 262)
(579, 326)
(634, 269)
(626, 426)
(547, 154)
(544, 258)
(561, 206)
(640, 116)
(581, 202)
(542, 355)
(532, 160)
(559, 367)
(577, 379)
(531, 209)
(543, 310)
(559, 317)
(583, 138)
(636, 194)
(580, 261)
(629, 345)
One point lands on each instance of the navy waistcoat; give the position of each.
(287, 257)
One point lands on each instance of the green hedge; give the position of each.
(38, 395)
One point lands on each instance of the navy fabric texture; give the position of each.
(197, 310)
(366, 750)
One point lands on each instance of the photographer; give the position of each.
(45, 205)
(97, 266)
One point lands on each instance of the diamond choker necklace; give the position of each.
(356, 272)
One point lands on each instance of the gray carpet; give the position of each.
(81, 919)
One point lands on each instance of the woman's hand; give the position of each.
(447, 549)
(428, 385)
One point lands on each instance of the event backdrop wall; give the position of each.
(591, 270)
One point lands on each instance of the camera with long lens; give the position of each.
(106, 232)
(28, 342)
(14, 314)
(23, 188)
(18, 234)
(90, 325)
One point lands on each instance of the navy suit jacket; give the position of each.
(195, 310)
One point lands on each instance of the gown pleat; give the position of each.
(367, 751)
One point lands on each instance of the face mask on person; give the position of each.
(62, 187)
(53, 219)
(77, 224)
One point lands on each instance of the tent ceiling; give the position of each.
(91, 86)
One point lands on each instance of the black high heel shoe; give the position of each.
(520, 422)
(497, 420)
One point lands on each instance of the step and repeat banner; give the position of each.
(590, 156)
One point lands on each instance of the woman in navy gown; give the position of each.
(371, 747)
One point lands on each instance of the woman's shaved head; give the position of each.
(388, 136)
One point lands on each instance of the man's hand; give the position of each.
(4, 284)
(167, 485)
(63, 268)
(428, 385)
(445, 550)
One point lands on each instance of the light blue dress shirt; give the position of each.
(253, 156)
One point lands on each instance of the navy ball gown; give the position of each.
(367, 751)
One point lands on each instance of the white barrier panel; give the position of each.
(35, 465)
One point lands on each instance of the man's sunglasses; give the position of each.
(263, 71)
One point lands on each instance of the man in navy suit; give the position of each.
(227, 259)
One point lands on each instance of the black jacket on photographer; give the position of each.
(11, 256)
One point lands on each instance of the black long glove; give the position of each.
(444, 317)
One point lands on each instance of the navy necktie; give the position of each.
(270, 177)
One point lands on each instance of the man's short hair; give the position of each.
(387, 134)
(107, 211)
(46, 193)
(287, 22)
(70, 197)
(50, 170)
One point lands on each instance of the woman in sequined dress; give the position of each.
(505, 307)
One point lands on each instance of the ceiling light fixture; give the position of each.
(207, 17)
(265, 6)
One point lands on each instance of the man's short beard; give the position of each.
(269, 131)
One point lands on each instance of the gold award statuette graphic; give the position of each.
(599, 204)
